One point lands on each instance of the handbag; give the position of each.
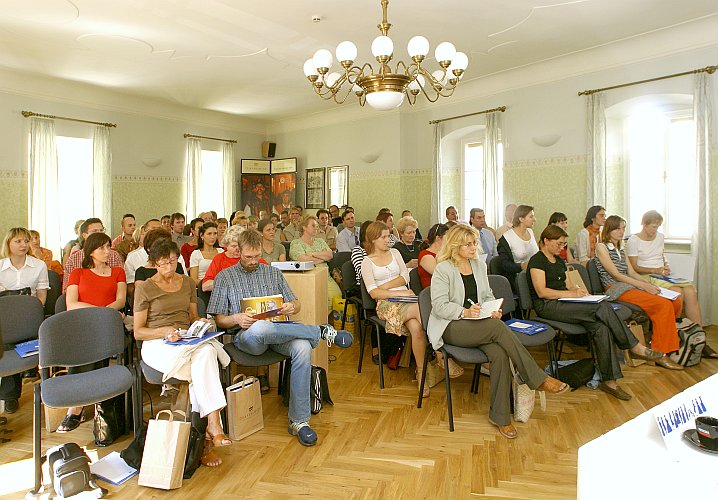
(109, 423)
(244, 407)
(524, 397)
(165, 452)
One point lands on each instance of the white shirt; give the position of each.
(649, 253)
(135, 259)
(521, 250)
(33, 274)
(198, 260)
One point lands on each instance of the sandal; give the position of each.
(709, 353)
(507, 431)
(218, 439)
(455, 370)
(426, 392)
(209, 457)
(70, 423)
(263, 384)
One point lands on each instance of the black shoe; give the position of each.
(11, 405)
(375, 359)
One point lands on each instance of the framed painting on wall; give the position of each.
(315, 187)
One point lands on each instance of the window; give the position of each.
(74, 182)
(660, 159)
(337, 185)
(473, 191)
(211, 184)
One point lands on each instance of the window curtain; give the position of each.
(43, 206)
(702, 242)
(228, 177)
(194, 176)
(596, 140)
(102, 176)
(493, 170)
(436, 215)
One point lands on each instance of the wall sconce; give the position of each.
(151, 161)
(547, 140)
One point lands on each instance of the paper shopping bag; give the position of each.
(244, 407)
(574, 280)
(637, 331)
(165, 452)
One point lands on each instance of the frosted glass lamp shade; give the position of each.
(382, 46)
(331, 78)
(418, 46)
(346, 51)
(322, 59)
(385, 100)
(460, 61)
(445, 51)
(309, 68)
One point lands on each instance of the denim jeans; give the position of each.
(293, 340)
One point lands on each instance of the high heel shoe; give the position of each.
(426, 392)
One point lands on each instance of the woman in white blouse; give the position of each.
(207, 248)
(517, 245)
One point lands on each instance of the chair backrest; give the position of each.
(80, 337)
(61, 303)
(286, 248)
(494, 265)
(20, 318)
(425, 307)
(594, 278)
(349, 277)
(201, 308)
(367, 302)
(201, 294)
(415, 281)
(338, 261)
(522, 281)
(501, 288)
(53, 293)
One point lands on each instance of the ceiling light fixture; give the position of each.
(382, 88)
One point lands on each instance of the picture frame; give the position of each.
(315, 187)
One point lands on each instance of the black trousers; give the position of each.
(11, 387)
(605, 329)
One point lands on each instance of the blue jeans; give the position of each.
(293, 340)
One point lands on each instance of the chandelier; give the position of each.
(380, 87)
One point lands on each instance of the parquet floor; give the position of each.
(376, 444)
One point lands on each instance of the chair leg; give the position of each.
(362, 341)
(344, 316)
(36, 447)
(427, 352)
(475, 378)
(381, 361)
(447, 380)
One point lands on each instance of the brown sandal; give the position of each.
(209, 457)
(553, 386)
(219, 439)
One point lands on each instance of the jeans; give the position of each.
(289, 339)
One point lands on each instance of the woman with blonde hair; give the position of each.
(223, 260)
(459, 286)
(385, 276)
(407, 245)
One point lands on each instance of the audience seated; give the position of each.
(517, 245)
(283, 220)
(386, 276)
(19, 270)
(623, 283)
(477, 219)
(348, 237)
(547, 284)
(147, 270)
(163, 304)
(458, 286)
(560, 219)
(291, 231)
(335, 215)
(340, 226)
(222, 225)
(408, 247)
(590, 235)
(45, 255)
(72, 244)
(252, 222)
(126, 237)
(191, 245)
(223, 260)
(138, 257)
(165, 220)
(90, 226)
(95, 284)
(427, 257)
(272, 251)
(387, 218)
(207, 248)
(326, 231)
(310, 248)
(508, 220)
(417, 236)
(177, 226)
(251, 279)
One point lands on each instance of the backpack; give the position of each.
(318, 388)
(577, 374)
(70, 474)
(693, 340)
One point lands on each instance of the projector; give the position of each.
(293, 266)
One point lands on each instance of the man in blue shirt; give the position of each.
(477, 218)
(248, 278)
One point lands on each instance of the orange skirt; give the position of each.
(663, 314)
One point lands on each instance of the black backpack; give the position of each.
(69, 468)
(577, 374)
(318, 388)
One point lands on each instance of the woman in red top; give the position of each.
(427, 257)
(191, 246)
(95, 284)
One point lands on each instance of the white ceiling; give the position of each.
(246, 57)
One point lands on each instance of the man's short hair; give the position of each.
(323, 211)
(250, 238)
(88, 222)
(449, 208)
(126, 216)
(474, 211)
(285, 211)
(347, 212)
(176, 216)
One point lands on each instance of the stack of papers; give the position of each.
(113, 469)
(526, 327)
(670, 279)
(208, 336)
(591, 299)
(668, 294)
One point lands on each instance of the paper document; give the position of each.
(591, 299)
(113, 469)
(668, 294)
(489, 307)
(205, 338)
(669, 278)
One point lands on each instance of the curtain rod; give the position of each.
(211, 138)
(708, 69)
(27, 114)
(500, 108)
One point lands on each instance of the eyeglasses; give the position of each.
(171, 261)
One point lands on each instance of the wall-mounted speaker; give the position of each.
(268, 149)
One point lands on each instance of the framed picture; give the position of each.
(315, 187)
(284, 187)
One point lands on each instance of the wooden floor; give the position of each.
(376, 444)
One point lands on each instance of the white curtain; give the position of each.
(43, 207)
(596, 140)
(493, 170)
(703, 236)
(194, 176)
(436, 215)
(102, 176)
(228, 177)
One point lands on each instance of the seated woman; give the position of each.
(222, 225)
(272, 249)
(588, 237)
(19, 270)
(95, 284)
(207, 248)
(427, 257)
(309, 248)
(191, 246)
(45, 255)
(385, 276)
(458, 288)
(241, 220)
(623, 283)
(167, 302)
(547, 284)
(252, 222)
(358, 254)
(517, 245)
(223, 260)
(560, 219)
(145, 272)
(408, 247)
(387, 218)
(645, 252)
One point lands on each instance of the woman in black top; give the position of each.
(547, 284)
(408, 247)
